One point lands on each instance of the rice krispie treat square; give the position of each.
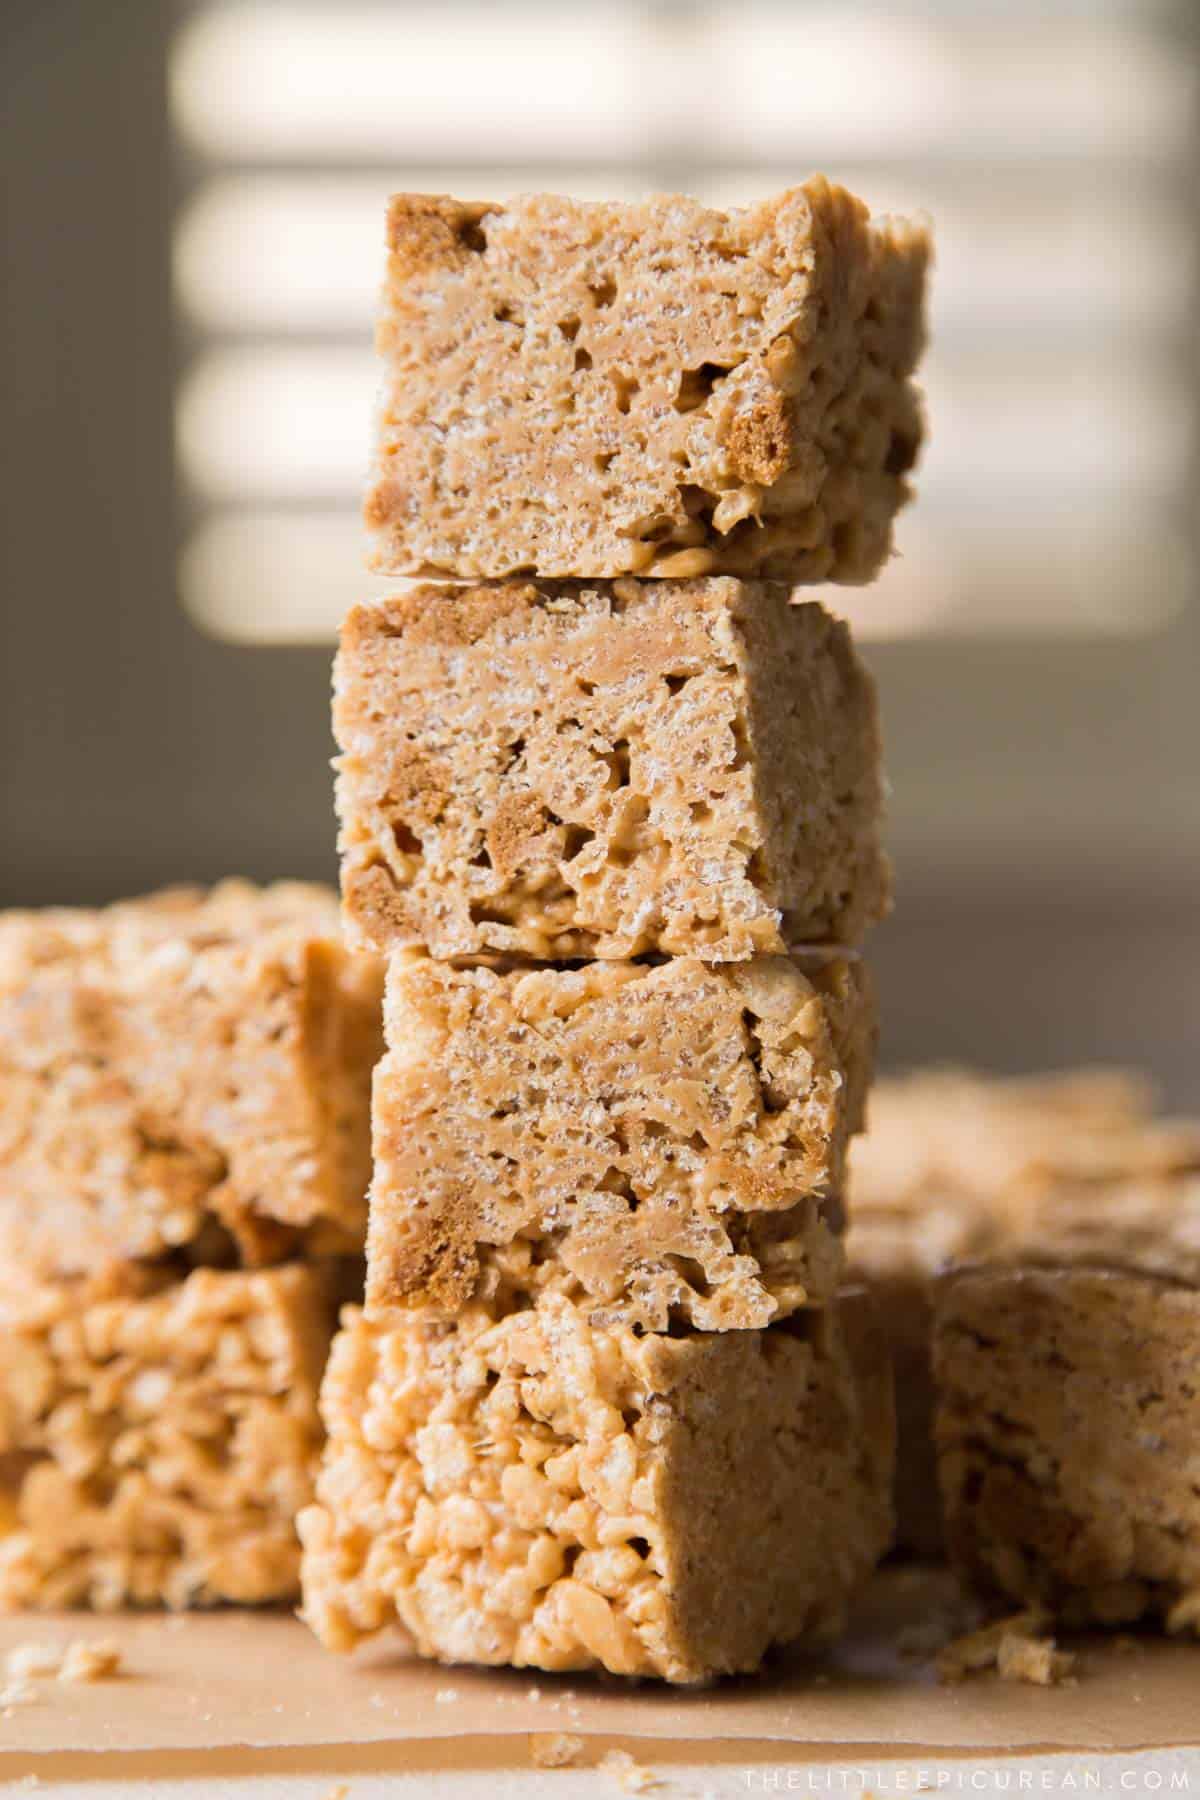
(662, 1141)
(187, 1072)
(568, 770)
(158, 1437)
(539, 1491)
(659, 388)
(1068, 1437)
(955, 1168)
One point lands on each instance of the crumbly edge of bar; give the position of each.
(793, 449)
(537, 1492)
(664, 1203)
(157, 1437)
(642, 795)
(1066, 1423)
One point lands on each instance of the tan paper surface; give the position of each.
(206, 1681)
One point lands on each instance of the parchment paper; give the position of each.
(207, 1681)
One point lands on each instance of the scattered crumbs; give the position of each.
(533, 1693)
(376, 1700)
(632, 1775)
(1035, 1660)
(94, 1661)
(27, 1660)
(1018, 1648)
(446, 1696)
(16, 1693)
(554, 1749)
(339, 1791)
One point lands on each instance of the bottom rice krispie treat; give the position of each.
(1068, 1435)
(158, 1436)
(538, 1491)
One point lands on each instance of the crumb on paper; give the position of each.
(82, 1660)
(25, 1661)
(554, 1749)
(1033, 1659)
(533, 1693)
(1018, 1648)
(445, 1696)
(16, 1693)
(339, 1791)
(94, 1661)
(632, 1775)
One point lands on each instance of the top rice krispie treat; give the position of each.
(600, 389)
(187, 1072)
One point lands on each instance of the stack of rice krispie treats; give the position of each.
(610, 810)
(184, 1150)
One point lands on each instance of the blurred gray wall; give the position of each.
(1046, 817)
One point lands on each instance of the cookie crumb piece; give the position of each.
(633, 1776)
(95, 1661)
(554, 1749)
(1033, 1659)
(1018, 1648)
(446, 1696)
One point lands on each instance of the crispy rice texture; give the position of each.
(538, 1491)
(1067, 1424)
(184, 1073)
(569, 769)
(159, 1437)
(660, 389)
(663, 1143)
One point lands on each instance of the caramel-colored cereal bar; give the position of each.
(603, 389)
(184, 1072)
(539, 1491)
(159, 1437)
(955, 1168)
(662, 1141)
(570, 770)
(1068, 1434)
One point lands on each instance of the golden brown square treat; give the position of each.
(189, 1072)
(567, 770)
(1068, 1437)
(659, 388)
(543, 1492)
(157, 1436)
(956, 1167)
(664, 1142)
